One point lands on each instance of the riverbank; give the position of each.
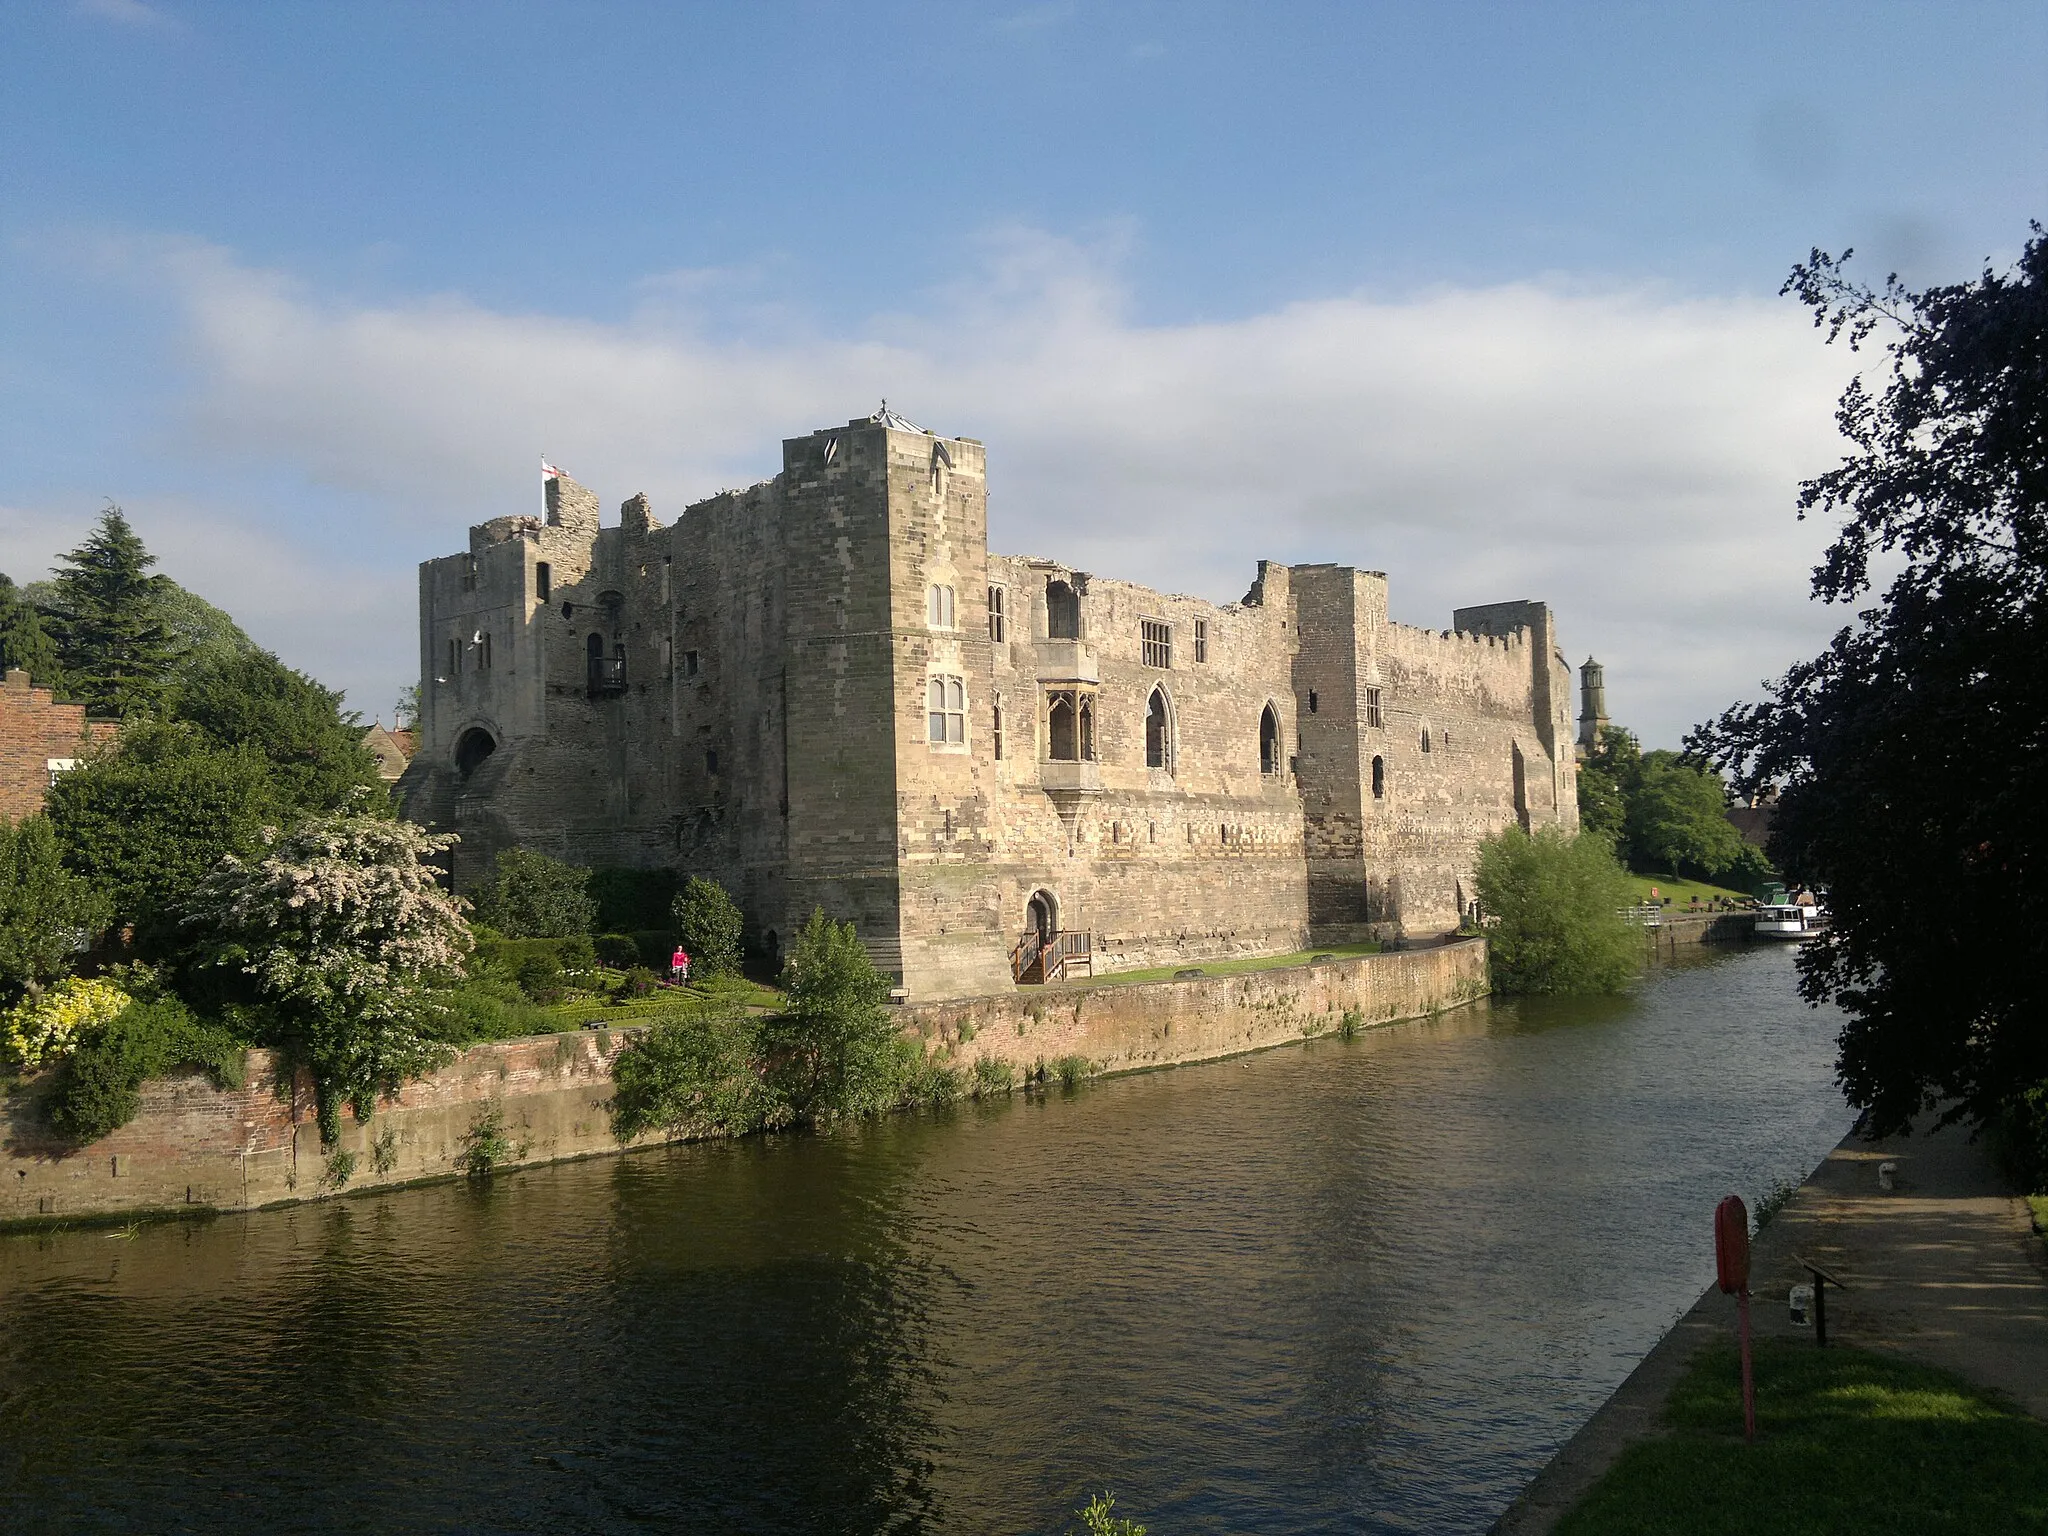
(1942, 1269)
(194, 1148)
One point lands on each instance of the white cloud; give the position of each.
(128, 13)
(1629, 455)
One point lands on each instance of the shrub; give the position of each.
(655, 946)
(834, 1050)
(618, 951)
(1552, 906)
(535, 897)
(45, 1029)
(47, 914)
(696, 1072)
(992, 1077)
(100, 1089)
(2019, 1139)
(485, 1144)
(1072, 1070)
(489, 1008)
(637, 982)
(708, 925)
(538, 972)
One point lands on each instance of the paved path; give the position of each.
(1942, 1269)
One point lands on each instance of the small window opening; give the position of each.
(483, 652)
(469, 573)
(946, 711)
(1379, 778)
(1201, 640)
(1373, 715)
(1425, 738)
(454, 657)
(1311, 701)
(711, 760)
(568, 610)
(689, 663)
(996, 616)
(996, 732)
(938, 607)
(1062, 611)
(1087, 727)
(543, 580)
(1269, 740)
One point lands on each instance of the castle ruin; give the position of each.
(824, 691)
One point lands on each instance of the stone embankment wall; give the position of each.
(1684, 928)
(194, 1147)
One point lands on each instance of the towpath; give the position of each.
(1943, 1268)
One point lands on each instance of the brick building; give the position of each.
(39, 738)
(825, 691)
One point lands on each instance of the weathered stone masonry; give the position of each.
(825, 691)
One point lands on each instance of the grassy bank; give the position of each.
(1847, 1441)
(2038, 1204)
(1239, 967)
(1682, 892)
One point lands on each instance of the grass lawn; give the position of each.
(1847, 1441)
(1239, 967)
(645, 1010)
(1682, 891)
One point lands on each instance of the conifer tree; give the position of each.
(112, 642)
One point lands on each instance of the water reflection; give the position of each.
(1359, 1285)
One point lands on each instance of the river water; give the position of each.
(1362, 1285)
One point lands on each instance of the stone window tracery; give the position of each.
(1269, 740)
(1062, 611)
(946, 711)
(997, 618)
(1070, 725)
(1201, 640)
(1373, 713)
(1158, 732)
(938, 607)
(996, 732)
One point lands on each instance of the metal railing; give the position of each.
(1648, 914)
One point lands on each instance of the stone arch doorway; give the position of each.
(471, 748)
(1042, 916)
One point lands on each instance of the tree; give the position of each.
(1912, 753)
(341, 932)
(116, 650)
(145, 819)
(693, 1073)
(47, 913)
(1677, 819)
(535, 897)
(24, 642)
(1608, 778)
(834, 1050)
(405, 714)
(708, 925)
(248, 698)
(1552, 905)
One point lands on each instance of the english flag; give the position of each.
(552, 472)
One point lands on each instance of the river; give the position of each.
(1362, 1285)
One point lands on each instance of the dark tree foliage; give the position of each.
(107, 614)
(1913, 751)
(315, 749)
(145, 821)
(47, 913)
(24, 642)
(535, 897)
(709, 927)
(1607, 778)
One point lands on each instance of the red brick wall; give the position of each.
(33, 729)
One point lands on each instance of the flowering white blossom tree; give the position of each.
(342, 929)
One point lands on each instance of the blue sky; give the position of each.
(1483, 295)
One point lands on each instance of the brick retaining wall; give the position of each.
(194, 1147)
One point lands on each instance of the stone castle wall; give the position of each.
(194, 1147)
(766, 721)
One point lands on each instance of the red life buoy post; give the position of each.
(1731, 1267)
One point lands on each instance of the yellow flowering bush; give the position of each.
(44, 1029)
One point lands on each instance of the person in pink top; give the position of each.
(679, 966)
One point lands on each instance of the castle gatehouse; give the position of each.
(824, 691)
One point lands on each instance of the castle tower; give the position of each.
(1592, 706)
